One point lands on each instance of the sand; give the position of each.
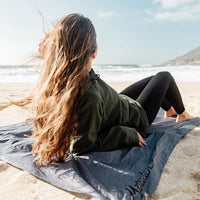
(180, 178)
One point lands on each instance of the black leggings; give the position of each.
(155, 92)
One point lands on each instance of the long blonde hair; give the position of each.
(55, 101)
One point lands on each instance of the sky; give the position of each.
(128, 31)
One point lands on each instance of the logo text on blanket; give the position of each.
(139, 184)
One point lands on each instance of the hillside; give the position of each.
(190, 58)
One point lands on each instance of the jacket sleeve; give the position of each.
(118, 137)
(90, 122)
(90, 136)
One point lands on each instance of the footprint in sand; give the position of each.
(22, 177)
(12, 94)
(3, 166)
(27, 178)
(196, 132)
(196, 176)
(166, 170)
(189, 151)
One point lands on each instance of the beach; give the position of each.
(180, 179)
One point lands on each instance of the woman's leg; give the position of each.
(134, 91)
(161, 86)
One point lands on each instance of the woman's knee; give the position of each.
(165, 75)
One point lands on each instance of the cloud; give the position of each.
(149, 12)
(176, 16)
(175, 10)
(105, 14)
(173, 3)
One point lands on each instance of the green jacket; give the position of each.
(107, 120)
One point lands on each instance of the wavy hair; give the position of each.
(55, 101)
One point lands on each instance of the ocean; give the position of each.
(108, 73)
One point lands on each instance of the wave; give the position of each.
(16, 73)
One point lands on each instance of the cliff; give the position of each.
(190, 58)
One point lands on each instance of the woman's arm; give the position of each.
(93, 136)
(90, 123)
(120, 136)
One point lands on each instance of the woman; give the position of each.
(74, 110)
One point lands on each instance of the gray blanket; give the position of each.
(129, 173)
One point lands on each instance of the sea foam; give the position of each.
(108, 72)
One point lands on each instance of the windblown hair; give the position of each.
(55, 101)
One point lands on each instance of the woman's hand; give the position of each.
(141, 140)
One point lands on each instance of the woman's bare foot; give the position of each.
(170, 113)
(184, 117)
